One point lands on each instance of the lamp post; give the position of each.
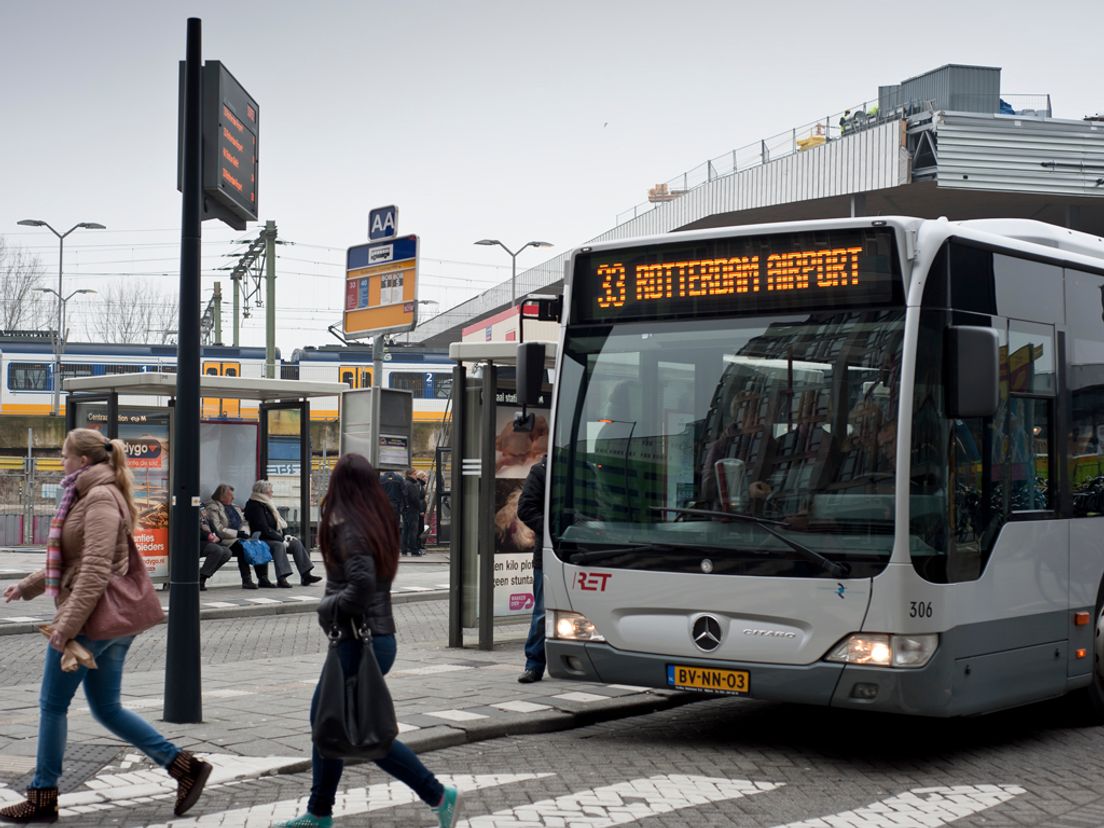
(62, 335)
(59, 341)
(513, 261)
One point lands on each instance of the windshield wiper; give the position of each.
(839, 569)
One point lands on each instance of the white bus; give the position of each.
(852, 462)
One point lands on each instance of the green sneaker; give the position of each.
(307, 820)
(449, 809)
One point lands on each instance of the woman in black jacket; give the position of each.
(359, 539)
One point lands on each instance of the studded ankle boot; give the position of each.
(191, 775)
(41, 805)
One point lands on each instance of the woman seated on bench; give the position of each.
(227, 522)
(263, 516)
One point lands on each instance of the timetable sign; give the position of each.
(381, 287)
(231, 126)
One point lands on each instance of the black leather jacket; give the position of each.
(530, 507)
(352, 589)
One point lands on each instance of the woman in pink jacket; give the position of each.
(87, 546)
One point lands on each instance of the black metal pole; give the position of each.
(456, 511)
(183, 694)
(486, 513)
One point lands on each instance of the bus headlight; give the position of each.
(880, 650)
(573, 626)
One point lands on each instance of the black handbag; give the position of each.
(355, 717)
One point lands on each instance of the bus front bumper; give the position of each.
(925, 691)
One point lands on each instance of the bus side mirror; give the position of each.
(972, 371)
(530, 372)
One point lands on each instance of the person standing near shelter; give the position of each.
(87, 546)
(360, 551)
(412, 511)
(531, 512)
(265, 520)
(423, 484)
(393, 487)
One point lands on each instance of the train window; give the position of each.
(231, 369)
(413, 381)
(29, 376)
(211, 369)
(425, 385)
(290, 372)
(70, 370)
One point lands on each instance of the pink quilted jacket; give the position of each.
(93, 548)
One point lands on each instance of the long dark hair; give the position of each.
(356, 496)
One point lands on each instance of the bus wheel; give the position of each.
(1089, 701)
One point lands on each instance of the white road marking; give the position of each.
(918, 808)
(623, 803)
(112, 789)
(585, 698)
(349, 803)
(456, 715)
(521, 706)
(431, 669)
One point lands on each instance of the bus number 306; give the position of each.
(920, 609)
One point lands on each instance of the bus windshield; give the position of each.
(755, 446)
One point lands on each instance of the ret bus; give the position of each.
(850, 463)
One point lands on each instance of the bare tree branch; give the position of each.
(137, 312)
(22, 307)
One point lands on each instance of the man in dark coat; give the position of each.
(530, 511)
(393, 486)
(411, 514)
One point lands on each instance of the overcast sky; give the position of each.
(513, 120)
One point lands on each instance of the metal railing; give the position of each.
(29, 489)
(804, 137)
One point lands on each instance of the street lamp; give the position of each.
(62, 335)
(59, 343)
(513, 261)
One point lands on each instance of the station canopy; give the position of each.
(241, 388)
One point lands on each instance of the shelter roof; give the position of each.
(241, 388)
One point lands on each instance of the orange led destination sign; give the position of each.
(737, 275)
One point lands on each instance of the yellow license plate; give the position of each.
(709, 680)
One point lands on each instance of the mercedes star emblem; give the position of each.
(707, 633)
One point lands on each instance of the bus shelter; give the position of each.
(491, 550)
(138, 408)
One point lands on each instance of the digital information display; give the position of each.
(737, 275)
(381, 287)
(231, 129)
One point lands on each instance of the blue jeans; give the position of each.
(401, 762)
(101, 688)
(534, 644)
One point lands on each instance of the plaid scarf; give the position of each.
(53, 542)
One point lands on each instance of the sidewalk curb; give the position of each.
(249, 610)
(527, 724)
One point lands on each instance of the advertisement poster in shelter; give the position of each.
(515, 454)
(145, 436)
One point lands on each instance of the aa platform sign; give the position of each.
(381, 287)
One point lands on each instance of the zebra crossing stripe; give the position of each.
(349, 803)
(920, 807)
(623, 803)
